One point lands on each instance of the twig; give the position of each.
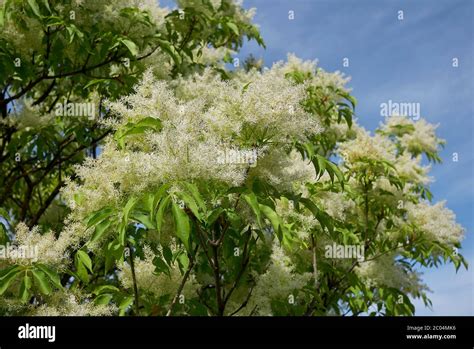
(183, 281)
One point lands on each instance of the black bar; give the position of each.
(288, 331)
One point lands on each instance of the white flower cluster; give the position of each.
(44, 248)
(409, 167)
(158, 285)
(71, 303)
(420, 139)
(204, 116)
(384, 272)
(437, 222)
(279, 282)
(337, 204)
(365, 146)
(284, 171)
(305, 221)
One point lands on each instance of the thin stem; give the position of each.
(135, 287)
(183, 281)
(245, 262)
(217, 279)
(315, 262)
(244, 304)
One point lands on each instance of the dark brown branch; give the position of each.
(134, 278)
(244, 304)
(183, 281)
(46, 93)
(46, 204)
(245, 262)
(35, 82)
(315, 261)
(217, 280)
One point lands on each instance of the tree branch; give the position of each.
(245, 262)
(183, 281)
(135, 287)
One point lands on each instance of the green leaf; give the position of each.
(81, 272)
(309, 150)
(251, 199)
(191, 204)
(145, 220)
(46, 4)
(134, 130)
(183, 227)
(324, 219)
(246, 86)
(84, 259)
(321, 163)
(151, 122)
(7, 276)
(25, 288)
(113, 252)
(161, 266)
(52, 275)
(161, 211)
(98, 216)
(42, 281)
(170, 49)
(337, 172)
(213, 215)
(193, 189)
(140, 127)
(128, 206)
(121, 235)
(3, 234)
(131, 46)
(103, 299)
(157, 197)
(124, 304)
(4, 213)
(105, 289)
(4, 273)
(34, 6)
(2, 17)
(183, 260)
(93, 82)
(167, 254)
(233, 27)
(272, 216)
(73, 31)
(100, 229)
(352, 100)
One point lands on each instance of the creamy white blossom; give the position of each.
(149, 281)
(279, 282)
(384, 272)
(72, 303)
(365, 146)
(44, 247)
(437, 222)
(200, 118)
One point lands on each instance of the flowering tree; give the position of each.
(244, 193)
(59, 60)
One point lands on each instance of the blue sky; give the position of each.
(403, 61)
